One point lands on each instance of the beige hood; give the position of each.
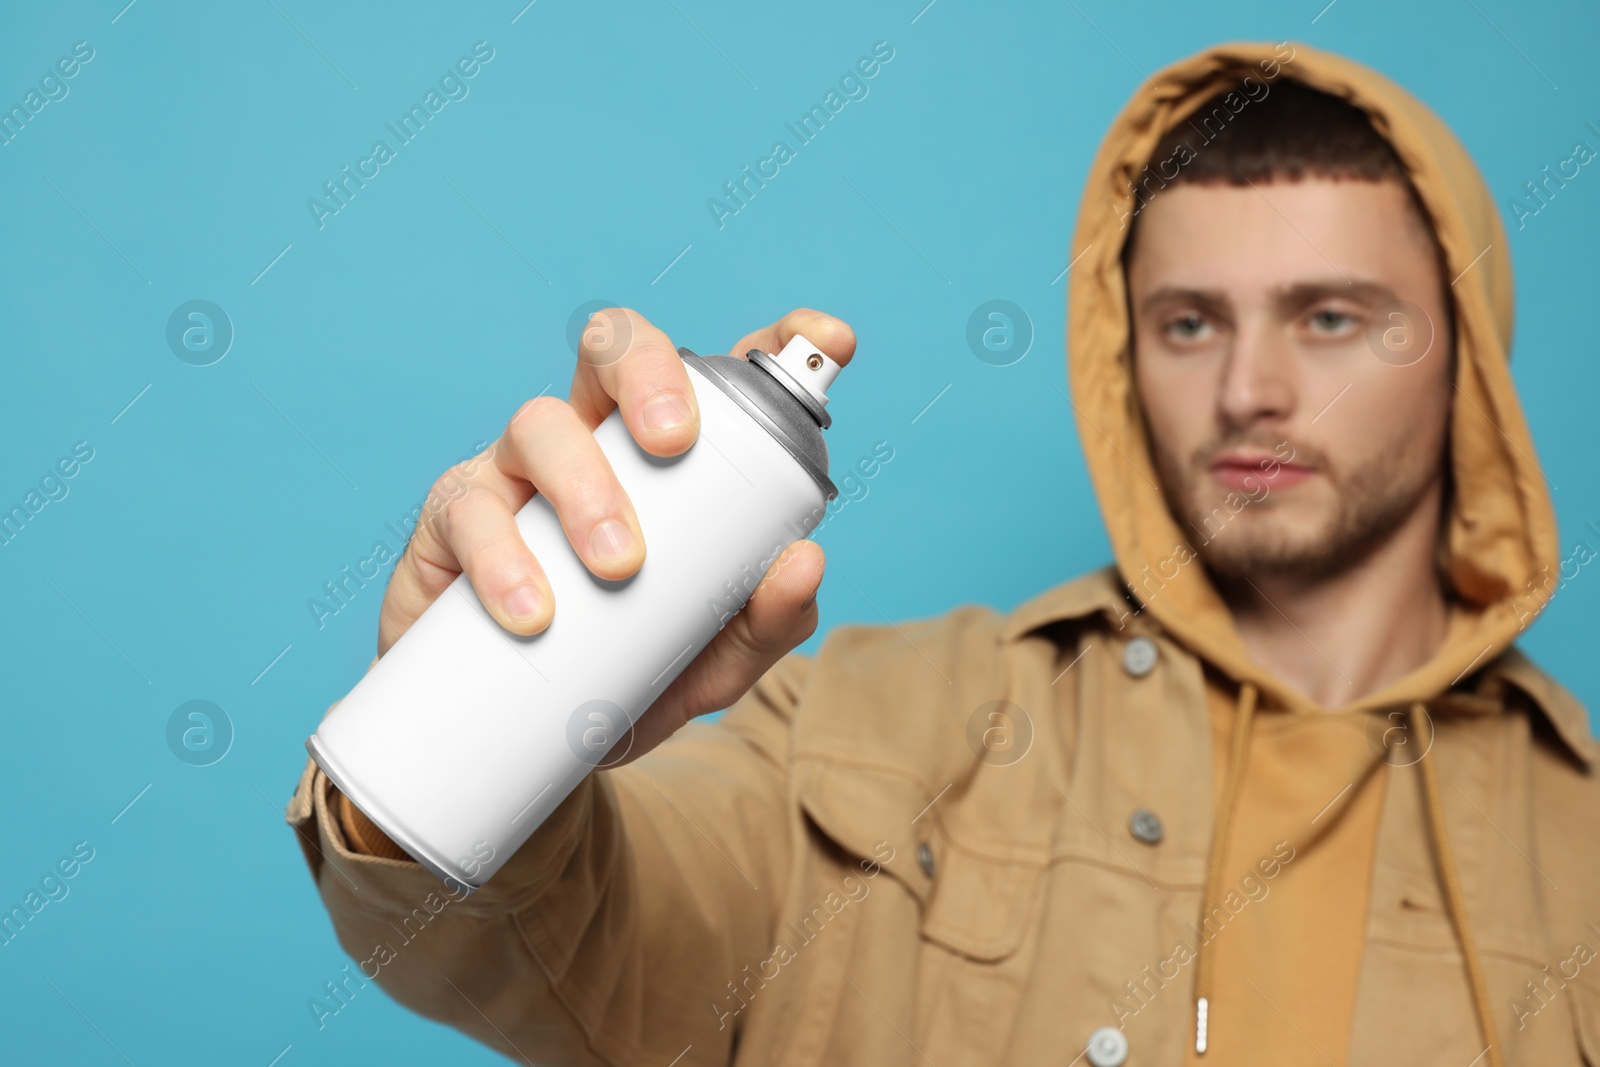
(1502, 531)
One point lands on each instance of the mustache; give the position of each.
(1282, 449)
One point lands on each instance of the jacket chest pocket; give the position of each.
(977, 953)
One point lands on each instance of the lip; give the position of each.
(1252, 470)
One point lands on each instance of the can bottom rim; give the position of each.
(438, 868)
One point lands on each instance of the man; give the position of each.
(1275, 789)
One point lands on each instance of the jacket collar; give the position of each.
(1098, 591)
(1568, 717)
(1103, 592)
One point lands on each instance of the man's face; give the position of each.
(1286, 446)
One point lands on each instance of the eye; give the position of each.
(1331, 322)
(1187, 327)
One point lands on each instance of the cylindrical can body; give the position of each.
(464, 737)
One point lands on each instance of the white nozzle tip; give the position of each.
(806, 363)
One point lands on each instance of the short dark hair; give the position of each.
(1291, 132)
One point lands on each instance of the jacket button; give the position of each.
(1108, 1047)
(925, 859)
(1145, 826)
(1139, 657)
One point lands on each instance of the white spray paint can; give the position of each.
(464, 737)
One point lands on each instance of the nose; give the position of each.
(1257, 378)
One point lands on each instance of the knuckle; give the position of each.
(461, 507)
(544, 408)
(449, 486)
(495, 558)
(484, 563)
(483, 457)
(649, 351)
(744, 633)
(591, 493)
(425, 548)
(539, 411)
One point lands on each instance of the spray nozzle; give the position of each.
(802, 369)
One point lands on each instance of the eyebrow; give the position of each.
(1298, 294)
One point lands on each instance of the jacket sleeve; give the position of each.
(612, 934)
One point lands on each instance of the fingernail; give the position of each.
(665, 411)
(611, 540)
(523, 602)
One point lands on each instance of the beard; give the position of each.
(1265, 538)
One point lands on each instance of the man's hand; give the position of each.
(467, 522)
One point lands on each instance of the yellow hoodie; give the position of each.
(1299, 959)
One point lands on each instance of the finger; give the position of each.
(427, 565)
(485, 469)
(550, 446)
(480, 530)
(780, 615)
(471, 530)
(626, 363)
(832, 336)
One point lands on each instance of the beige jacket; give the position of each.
(988, 838)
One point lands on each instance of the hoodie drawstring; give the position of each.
(1240, 748)
(1454, 898)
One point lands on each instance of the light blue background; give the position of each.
(409, 328)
